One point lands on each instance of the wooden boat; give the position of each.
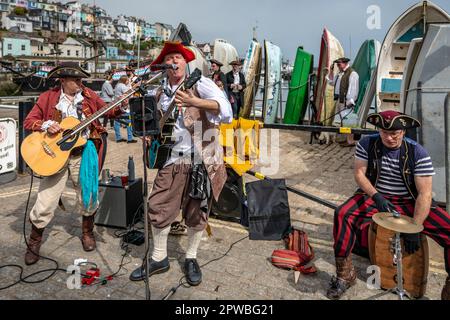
(252, 71)
(225, 53)
(200, 61)
(392, 60)
(297, 100)
(432, 69)
(272, 84)
(330, 50)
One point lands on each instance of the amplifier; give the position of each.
(120, 206)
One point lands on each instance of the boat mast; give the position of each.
(138, 34)
(56, 39)
(95, 39)
(254, 30)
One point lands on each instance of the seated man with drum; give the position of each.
(393, 173)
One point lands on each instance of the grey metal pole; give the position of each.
(146, 228)
(447, 151)
(419, 111)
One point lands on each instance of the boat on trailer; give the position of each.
(432, 70)
(394, 50)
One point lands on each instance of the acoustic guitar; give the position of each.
(46, 154)
(160, 149)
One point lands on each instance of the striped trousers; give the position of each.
(352, 219)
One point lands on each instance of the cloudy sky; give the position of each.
(287, 23)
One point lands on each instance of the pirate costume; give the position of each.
(173, 183)
(346, 90)
(235, 95)
(391, 172)
(51, 107)
(219, 77)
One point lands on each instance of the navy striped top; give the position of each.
(390, 181)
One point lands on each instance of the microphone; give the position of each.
(164, 66)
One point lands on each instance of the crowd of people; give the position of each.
(232, 84)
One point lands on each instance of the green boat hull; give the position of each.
(364, 64)
(297, 101)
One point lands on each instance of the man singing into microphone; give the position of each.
(204, 107)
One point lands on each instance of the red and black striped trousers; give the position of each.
(351, 221)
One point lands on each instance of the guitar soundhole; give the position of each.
(70, 142)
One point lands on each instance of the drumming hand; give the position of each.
(382, 204)
(411, 242)
(54, 128)
(185, 98)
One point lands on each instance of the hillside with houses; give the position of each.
(37, 33)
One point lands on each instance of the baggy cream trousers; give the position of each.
(50, 191)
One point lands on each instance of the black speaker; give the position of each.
(120, 207)
(151, 116)
(231, 199)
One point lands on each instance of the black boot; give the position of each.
(445, 295)
(154, 268)
(192, 272)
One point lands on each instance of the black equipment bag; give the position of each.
(268, 209)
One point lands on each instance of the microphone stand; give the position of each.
(145, 203)
(145, 197)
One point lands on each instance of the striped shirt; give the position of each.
(390, 181)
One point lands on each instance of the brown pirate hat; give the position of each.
(392, 120)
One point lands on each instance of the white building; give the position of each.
(75, 18)
(123, 32)
(74, 48)
(17, 23)
(40, 47)
(163, 30)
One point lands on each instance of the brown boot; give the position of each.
(445, 295)
(344, 279)
(88, 239)
(34, 244)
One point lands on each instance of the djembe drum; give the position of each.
(382, 251)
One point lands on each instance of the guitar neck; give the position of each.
(86, 122)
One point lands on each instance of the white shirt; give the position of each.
(353, 88)
(237, 79)
(206, 89)
(68, 108)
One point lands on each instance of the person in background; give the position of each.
(121, 88)
(235, 87)
(107, 95)
(346, 89)
(218, 76)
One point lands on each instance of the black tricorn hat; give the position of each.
(343, 59)
(216, 62)
(392, 120)
(68, 70)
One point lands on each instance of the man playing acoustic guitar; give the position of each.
(70, 99)
(205, 107)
